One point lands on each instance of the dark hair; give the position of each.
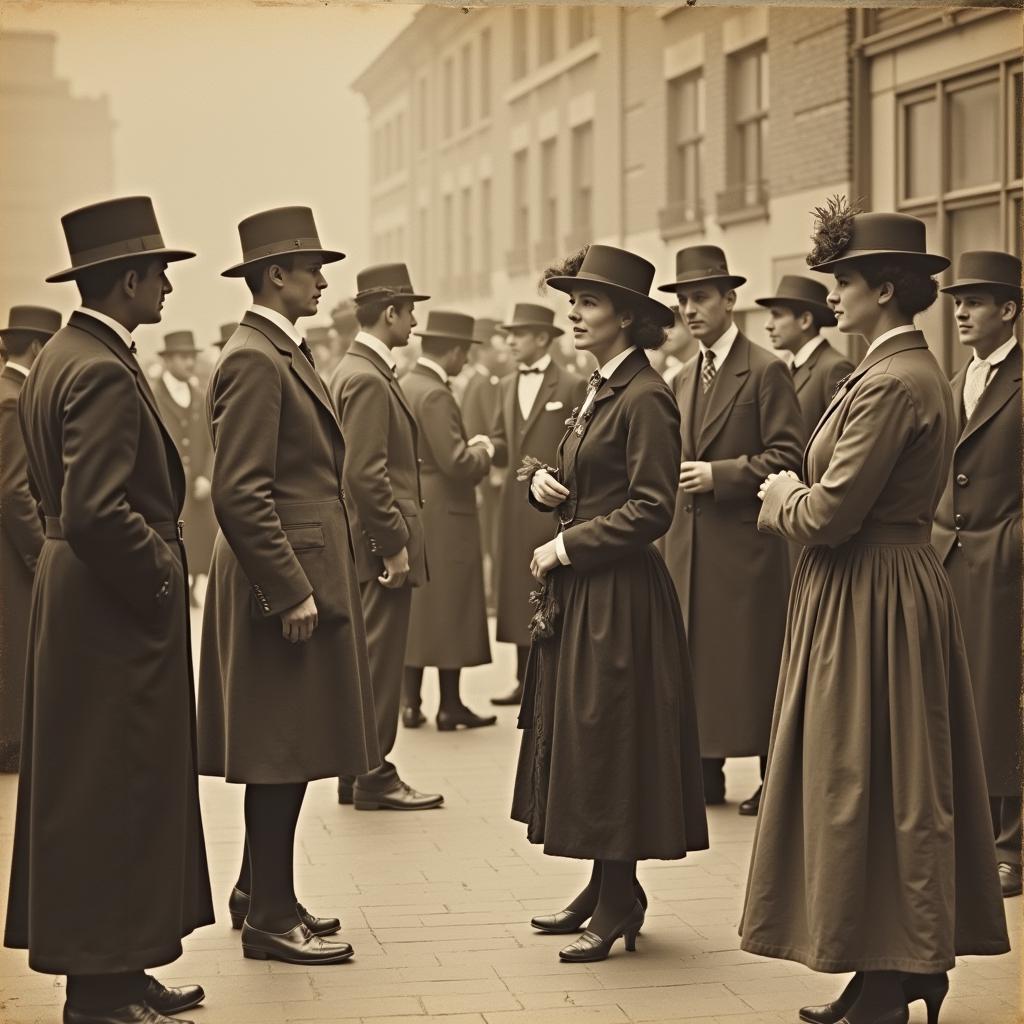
(818, 319)
(97, 283)
(913, 290)
(254, 274)
(17, 343)
(368, 313)
(439, 346)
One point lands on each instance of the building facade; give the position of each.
(506, 137)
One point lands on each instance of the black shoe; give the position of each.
(932, 988)
(238, 908)
(565, 922)
(449, 721)
(832, 1013)
(753, 805)
(400, 798)
(515, 697)
(345, 787)
(1010, 879)
(170, 1001)
(590, 946)
(413, 718)
(298, 946)
(134, 1013)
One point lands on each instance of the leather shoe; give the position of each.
(345, 787)
(170, 1001)
(713, 799)
(565, 922)
(413, 718)
(832, 1013)
(134, 1013)
(298, 946)
(1010, 879)
(449, 721)
(590, 946)
(401, 797)
(750, 807)
(238, 908)
(515, 697)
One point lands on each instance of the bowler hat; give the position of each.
(226, 330)
(986, 267)
(897, 237)
(178, 342)
(699, 263)
(386, 281)
(620, 274)
(287, 229)
(484, 328)
(802, 293)
(117, 229)
(533, 316)
(448, 326)
(37, 320)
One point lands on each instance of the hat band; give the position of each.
(122, 247)
(703, 273)
(280, 247)
(383, 291)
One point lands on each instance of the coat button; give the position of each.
(687, 508)
(958, 520)
(185, 441)
(962, 479)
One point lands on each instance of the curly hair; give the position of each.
(913, 290)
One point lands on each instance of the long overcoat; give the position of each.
(730, 578)
(515, 437)
(874, 846)
(609, 766)
(477, 406)
(815, 382)
(21, 540)
(977, 534)
(271, 711)
(109, 869)
(448, 624)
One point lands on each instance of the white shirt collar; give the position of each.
(431, 365)
(993, 360)
(903, 329)
(807, 350)
(278, 321)
(377, 346)
(723, 346)
(615, 362)
(179, 390)
(16, 366)
(542, 364)
(116, 326)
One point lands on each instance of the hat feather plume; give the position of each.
(833, 229)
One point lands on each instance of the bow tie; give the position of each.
(133, 348)
(530, 369)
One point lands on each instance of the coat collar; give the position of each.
(360, 351)
(1003, 386)
(731, 375)
(622, 374)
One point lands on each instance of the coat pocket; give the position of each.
(410, 509)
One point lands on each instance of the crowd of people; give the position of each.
(700, 551)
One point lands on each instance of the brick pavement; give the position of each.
(437, 905)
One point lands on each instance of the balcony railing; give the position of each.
(681, 218)
(744, 201)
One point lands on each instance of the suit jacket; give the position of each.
(382, 465)
(724, 570)
(815, 382)
(268, 712)
(110, 720)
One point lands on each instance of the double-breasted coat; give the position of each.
(448, 624)
(187, 426)
(21, 540)
(977, 534)
(109, 868)
(728, 575)
(271, 711)
(874, 847)
(514, 437)
(609, 766)
(815, 382)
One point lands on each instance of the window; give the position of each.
(422, 133)
(448, 259)
(520, 44)
(582, 185)
(748, 96)
(486, 237)
(581, 25)
(547, 246)
(518, 259)
(974, 138)
(686, 147)
(466, 87)
(921, 125)
(485, 73)
(448, 99)
(545, 35)
(466, 242)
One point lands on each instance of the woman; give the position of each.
(609, 769)
(874, 850)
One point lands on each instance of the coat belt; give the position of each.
(169, 531)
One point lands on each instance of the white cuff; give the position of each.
(560, 550)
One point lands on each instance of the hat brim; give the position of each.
(732, 281)
(929, 262)
(397, 297)
(457, 338)
(171, 255)
(794, 300)
(179, 351)
(656, 310)
(6, 332)
(972, 282)
(532, 325)
(239, 269)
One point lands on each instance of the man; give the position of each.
(448, 623)
(284, 684)
(977, 530)
(21, 534)
(680, 345)
(109, 868)
(797, 313)
(740, 421)
(226, 330)
(529, 419)
(382, 483)
(181, 407)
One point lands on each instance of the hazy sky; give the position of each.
(223, 108)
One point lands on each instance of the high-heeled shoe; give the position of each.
(590, 946)
(832, 1013)
(932, 988)
(897, 1015)
(565, 922)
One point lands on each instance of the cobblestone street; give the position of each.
(437, 905)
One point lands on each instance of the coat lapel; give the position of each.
(686, 397)
(396, 389)
(802, 374)
(731, 376)
(1000, 390)
(510, 398)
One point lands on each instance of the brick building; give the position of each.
(503, 138)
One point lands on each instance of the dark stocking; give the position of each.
(449, 681)
(244, 883)
(881, 992)
(96, 993)
(271, 814)
(585, 902)
(617, 895)
(412, 681)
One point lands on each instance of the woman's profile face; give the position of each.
(595, 323)
(853, 300)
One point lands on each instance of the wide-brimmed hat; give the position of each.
(986, 267)
(116, 229)
(386, 281)
(619, 273)
(179, 343)
(39, 321)
(226, 330)
(697, 264)
(446, 325)
(278, 232)
(802, 293)
(897, 237)
(533, 316)
(484, 328)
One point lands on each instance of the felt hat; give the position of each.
(449, 326)
(278, 232)
(986, 267)
(897, 237)
(386, 281)
(179, 342)
(36, 320)
(533, 316)
(699, 263)
(799, 292)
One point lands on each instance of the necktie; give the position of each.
(974, 384)
(707, 371)
(530, 369)
(133, 348)
(308, 353)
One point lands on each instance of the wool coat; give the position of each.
(109, 869)
(730, 577)
(609, 766)
(874, 847)
(977, 534)
(514, 437)
(448, 623)
(21, 540)
(477, 404)
(271, 711)
(815, 382)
